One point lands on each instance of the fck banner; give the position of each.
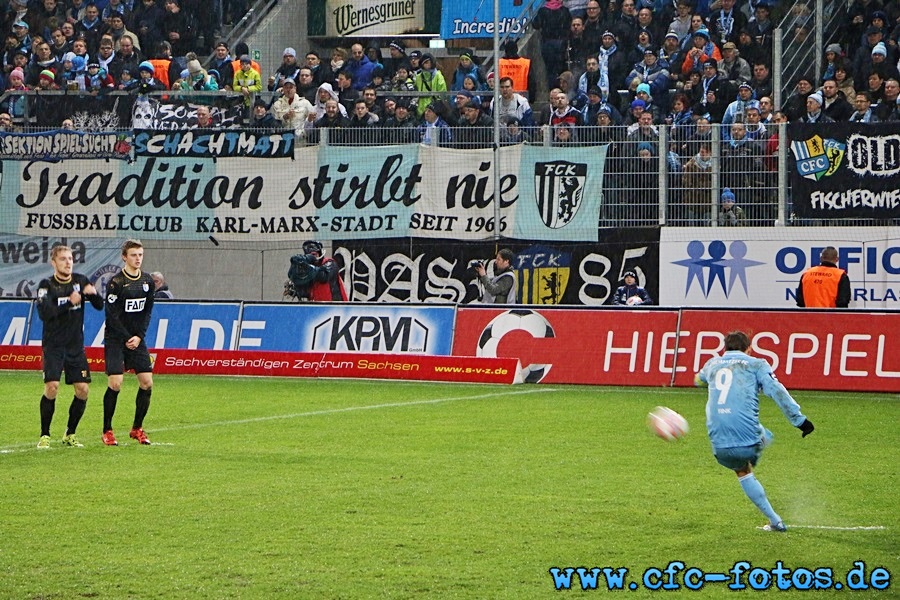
(326, 192)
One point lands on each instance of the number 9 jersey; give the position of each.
(732, 408)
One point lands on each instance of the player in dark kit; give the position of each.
(60, 305)
(129, 302)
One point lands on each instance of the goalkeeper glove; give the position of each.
(806, 427)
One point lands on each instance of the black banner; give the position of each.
(214, 143)
(176, 113)
(845, 170)
(422, 270)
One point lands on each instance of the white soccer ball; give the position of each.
(667, 424)
(517, 319)
(634, 300)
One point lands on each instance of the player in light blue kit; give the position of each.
(732, 415)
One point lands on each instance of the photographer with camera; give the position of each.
(501, 287)
(314, 277)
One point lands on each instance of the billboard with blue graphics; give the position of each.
(468, 19)
(271, 327)
(348, 328)
(761, 267)
(175, 324)
(14, 317)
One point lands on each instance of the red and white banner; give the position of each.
(810, 350)
(828, 350)
(605, 347)
(411, 367)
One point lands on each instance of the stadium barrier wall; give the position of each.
(822, 350)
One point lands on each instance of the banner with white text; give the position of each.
(807, 349)
(467, 19)
(843, 170)
(548, 273)
(330, 192)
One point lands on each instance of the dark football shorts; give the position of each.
(120, 359)
(737, 458)
(72, 361)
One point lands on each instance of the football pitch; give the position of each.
(297, 488)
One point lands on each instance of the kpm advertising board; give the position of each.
(274, 327)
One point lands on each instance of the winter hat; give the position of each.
(474, 102)
(245, 59)
(672, 34)
(817, 97)
(184, 74)
(46, 74)
(18, 72)
(645, 146)
(745, 84)
(68, 56)
(78, 63)
(398, 46)
(595, 91)
(836, 48)
(702, 32)
(193, 66)
(643, 87)
(711, 63)
(289, 52)
(629, 274)
(879, 48)
(638, 103)
(93, 65)
(727, 195)
(146, 66)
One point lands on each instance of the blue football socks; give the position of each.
(757, 495)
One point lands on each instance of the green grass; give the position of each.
(275, 488)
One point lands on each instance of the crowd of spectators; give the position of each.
(97, 46)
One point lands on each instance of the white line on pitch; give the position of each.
(837, 528)
(26, 446)
(331, 411)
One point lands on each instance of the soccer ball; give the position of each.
(634, 300)
(667, 424)
(517, 319)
